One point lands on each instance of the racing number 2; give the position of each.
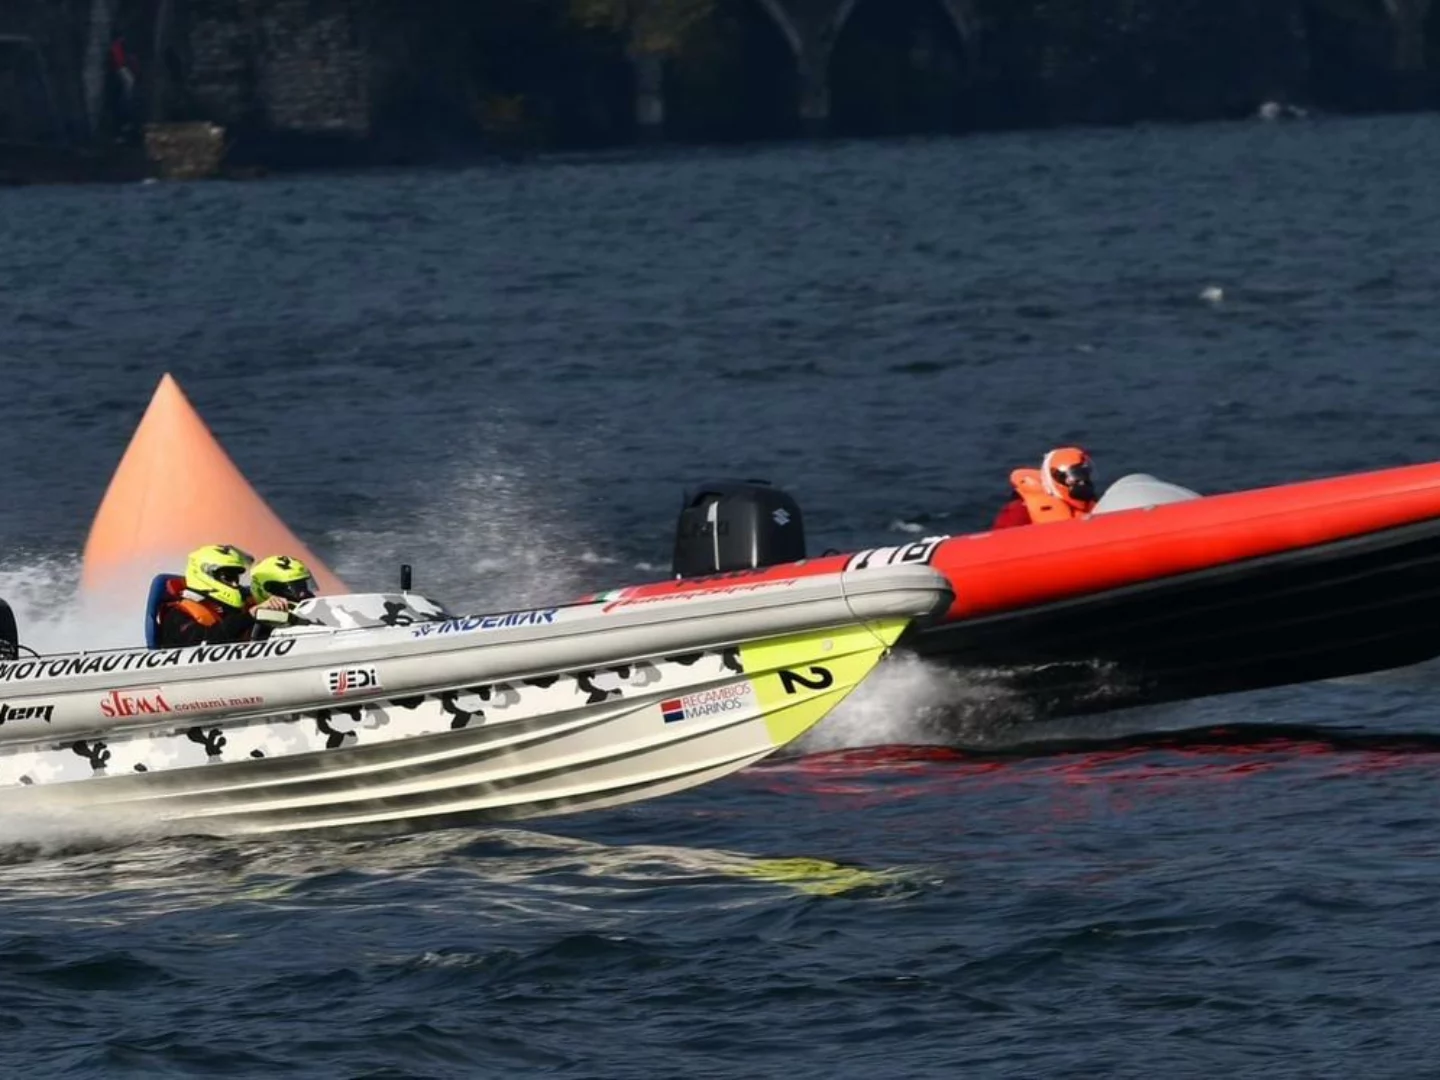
(820, 679)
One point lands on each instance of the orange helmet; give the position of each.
(1068, 474)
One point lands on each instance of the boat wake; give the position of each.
(55, 615)
(538, 875)
(482, 540)
(59, 832)
(911, 700)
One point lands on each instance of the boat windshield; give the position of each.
(357, 610)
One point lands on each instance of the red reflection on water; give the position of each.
(1150, 766)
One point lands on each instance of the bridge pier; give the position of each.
(1413, 83)
(649, 95)
(1409, 19)
(97, 41)
(813, 107)
(812, 28)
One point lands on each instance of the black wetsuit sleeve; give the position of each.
(177, 628)
(234, 626)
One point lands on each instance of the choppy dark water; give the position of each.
(506, 376)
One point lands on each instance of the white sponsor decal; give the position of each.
(722, 699)
(921, 551)
(61, 667)
(486, 622)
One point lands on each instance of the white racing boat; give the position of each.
(386, 708)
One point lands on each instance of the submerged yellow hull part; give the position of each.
(815, 877)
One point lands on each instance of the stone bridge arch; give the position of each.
(734, 79)
(812, 28)
(29, 109)
(1361, 52)
(961, 14)
(901, 67)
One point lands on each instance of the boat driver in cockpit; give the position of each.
(215, 607)
(1062, 488)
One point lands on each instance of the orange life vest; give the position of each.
(205, 612)
(202, 613)
(1043, 506)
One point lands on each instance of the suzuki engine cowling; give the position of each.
(736, 525)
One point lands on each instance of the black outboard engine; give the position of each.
(9, 635)
(737, 525)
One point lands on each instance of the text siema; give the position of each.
(147, 702)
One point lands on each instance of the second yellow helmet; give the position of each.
(283, 576)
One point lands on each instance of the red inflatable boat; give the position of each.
(1160, 596)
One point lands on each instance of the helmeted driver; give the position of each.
(284, 576)
(214, 607)
(1062, 489)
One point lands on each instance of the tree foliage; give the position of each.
(650, 26)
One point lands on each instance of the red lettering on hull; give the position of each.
(123, 703)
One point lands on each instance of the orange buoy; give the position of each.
(175, 490)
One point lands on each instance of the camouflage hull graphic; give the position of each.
(262, 738)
